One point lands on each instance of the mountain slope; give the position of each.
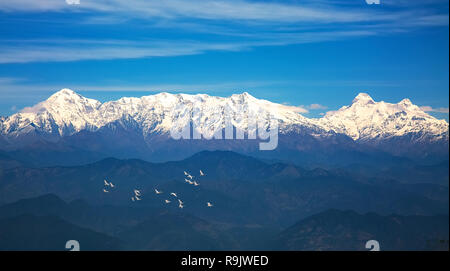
(29, 232)
(348, 230)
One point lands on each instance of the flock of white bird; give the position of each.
(137, 193)
(107, 184)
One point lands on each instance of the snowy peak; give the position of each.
(363, 99)
(65, 92)
(405, 102)
(366, 119)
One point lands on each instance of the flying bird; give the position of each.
(180, 202)
(196, 183)
(190, 176)
(111, 184)
(185, 173)
(167, 201)
(209, 204)
(173, 194)
(201, 173)
(157, 192)
(106, 182)
(137, 198)
(104, 190)
(180, 205)
(137, 192)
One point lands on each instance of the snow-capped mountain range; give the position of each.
(70, 126)
(66, 113)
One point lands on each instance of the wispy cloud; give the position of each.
(305, 109)
(39, 53)
(317, 107)
(437, 110)
(298, 109)
(76, 50)
(201, 9)
(249, 23)
(19, 88)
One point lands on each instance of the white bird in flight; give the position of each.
(167, 201)
(111, 184)
(195, 183)
(209, 204)
(106, 182)
(137, 192)
(201, 173)
(104, 190)
(137, 198)
(180, 205)
(190, 176)
(185, 173)
(157, 192)
(180, 202)
(173, 194)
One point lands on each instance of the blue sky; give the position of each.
(315, 54)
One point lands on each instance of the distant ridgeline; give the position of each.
(47, 222)
(70, 129)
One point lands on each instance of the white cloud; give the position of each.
(91, 51)
(76, 50)
(297, 109)
(317, 107)
(38, 108)
(23, 91)
(200, 9)
(305, 108)
(222, 10)
(250, 23)
(431, 109)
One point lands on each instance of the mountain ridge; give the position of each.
(71, 113)
(140, 128)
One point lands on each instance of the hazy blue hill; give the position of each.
(29, 232)
(176, 232)
(265, 193)
(348, 230)
(6, 161)
(410, 173)
(114, 140)
(48, 204)
(138, 228)
(46, 222)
